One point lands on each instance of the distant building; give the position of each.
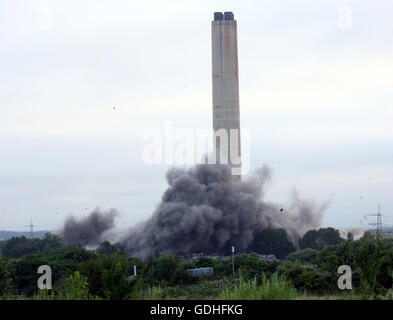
(199, 272)
(268, 257)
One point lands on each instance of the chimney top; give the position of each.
(228, 15)
(218, 16)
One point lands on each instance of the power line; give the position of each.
(31, 226)
(378, 225)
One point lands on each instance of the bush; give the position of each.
(44, 295)
(114, 279)
(75, 288)
(5, 278)
(154, 293)
(272, 241)
(308, 256)
(21, 246)
(308, 278)
(251, 266)
(107, 277)
(204, 289)
(107, 248)
(368, 264)
(275, 288)
(92, 270)
(319, 239)
(167, 270)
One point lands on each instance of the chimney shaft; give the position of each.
(225, 73)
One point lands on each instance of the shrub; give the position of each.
(318, 239)
(5, 277)
(307, 255)
(251, 266)
(308, 278)
(75, 288)
(114, 279)
(272, 241)
(154, 293)
(44, 295)
(275, 288)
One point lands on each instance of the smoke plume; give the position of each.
(357, 232)
(89, 231)
(205, 210)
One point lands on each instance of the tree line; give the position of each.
(105, 273)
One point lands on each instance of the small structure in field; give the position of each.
(199, 272)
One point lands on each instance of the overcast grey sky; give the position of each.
(316, 96)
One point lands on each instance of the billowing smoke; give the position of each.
(205, 210)
(357, 232)
(90, 230)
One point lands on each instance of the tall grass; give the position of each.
(155, 293)
(205, 289)
(275, 288)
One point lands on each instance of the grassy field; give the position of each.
(275, 288)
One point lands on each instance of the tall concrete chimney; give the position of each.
(226, 114)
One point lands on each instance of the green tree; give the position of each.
(49, 242)
(304, 256)
(22, 246)
(5, 277)
(160, 269)
(64, 261)
(203, 262)
(319, 239)
(75, 288)
(19, 246)
(115, 280)
(92, 270)
(24, 272)
(250, 266)
(308, 278)
(368, 264)
(386, 268)
(108, 276)
(272, 241)
(107, 248)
